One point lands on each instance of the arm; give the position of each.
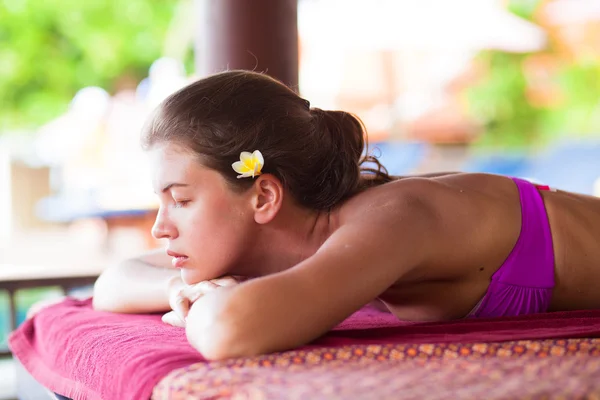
(284, 310)
(138, 285)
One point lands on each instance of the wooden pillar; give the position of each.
(258, 35)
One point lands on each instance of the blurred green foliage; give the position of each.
(580, 112)
(523, 8)
(500, 105)
(52, 48)
(499, 101)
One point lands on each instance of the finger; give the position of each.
(172, 318)
(195, 296)
(208, 286)
(225, 281)
(196, 291)
(181, 306)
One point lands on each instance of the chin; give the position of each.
(192, 276)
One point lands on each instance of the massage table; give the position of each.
(80, 353)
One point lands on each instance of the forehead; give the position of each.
(170, 162)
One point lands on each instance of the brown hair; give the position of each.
(317, 154)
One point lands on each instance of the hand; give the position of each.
(181, 296)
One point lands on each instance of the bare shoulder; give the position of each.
(438, 194)
(388, 198)
(386, 223)
(425, 196)
(464, 220)
(398, 213)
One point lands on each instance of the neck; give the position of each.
(290, 238)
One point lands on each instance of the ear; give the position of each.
(267, 198)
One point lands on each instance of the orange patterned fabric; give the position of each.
(567, 368)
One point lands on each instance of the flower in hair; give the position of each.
(250, 164)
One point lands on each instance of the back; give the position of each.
(479, 221)
(479, 217)
(575, 225)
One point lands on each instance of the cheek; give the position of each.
(219, 221)
(215, 238)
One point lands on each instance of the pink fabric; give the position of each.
(84, 354)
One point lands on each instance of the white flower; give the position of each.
(250, 164)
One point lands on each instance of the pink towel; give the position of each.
(85, 354)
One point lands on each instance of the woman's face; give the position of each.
(204, 221)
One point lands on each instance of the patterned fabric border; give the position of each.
(520, 369)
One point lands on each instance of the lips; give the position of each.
(174, 254)
(178, 259)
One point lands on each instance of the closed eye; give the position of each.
(180, 204)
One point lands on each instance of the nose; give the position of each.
(163, 227)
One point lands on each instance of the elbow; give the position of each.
(103, 300)
(222, 334)
(105, 297)
(100, 303)
(220, 343)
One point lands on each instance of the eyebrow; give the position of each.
(174, 184)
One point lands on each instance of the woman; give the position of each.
(254, 183)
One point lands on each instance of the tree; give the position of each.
(49, 49)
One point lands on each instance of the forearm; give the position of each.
(242, 321)
(134, 286)
(220, 330)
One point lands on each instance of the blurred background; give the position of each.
(502, 86)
